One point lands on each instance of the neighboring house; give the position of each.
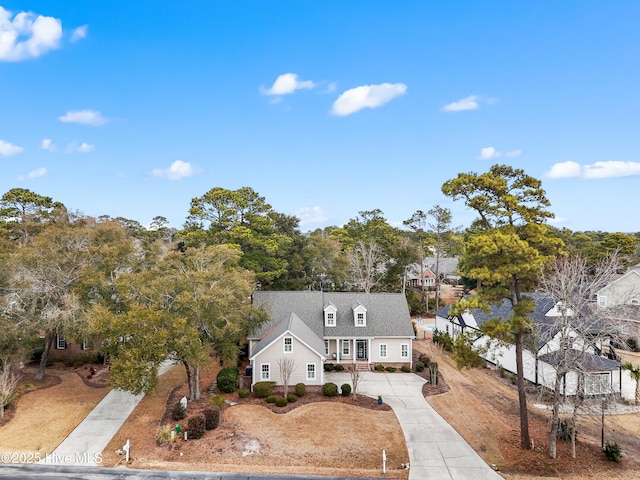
(540, 361)
(447, 269)
(417, 279)
(354, 329)
(625, 290)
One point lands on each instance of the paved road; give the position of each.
(436, 450)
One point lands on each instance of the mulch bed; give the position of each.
(95, 375)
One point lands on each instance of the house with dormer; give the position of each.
(355, 329)
(543, 351)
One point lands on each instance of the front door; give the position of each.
(361, 349)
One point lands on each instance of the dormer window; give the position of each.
(360, 315)
(330, 311)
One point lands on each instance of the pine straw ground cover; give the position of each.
(46, 411)
(315, 435)
(483, 408)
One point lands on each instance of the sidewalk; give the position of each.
(436, 450)
(84, 445)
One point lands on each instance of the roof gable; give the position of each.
(296, 328)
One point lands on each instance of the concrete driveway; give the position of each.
(436, 450)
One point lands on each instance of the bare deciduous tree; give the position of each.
(287, 365)
(578, 331)
(364, 265)
(356, 376)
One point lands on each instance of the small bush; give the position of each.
(339, 368)
(301, 389)
(328, 367)
(164, 434)
(513, 379)
(272, 399)
(281, 402)
(330, 389)
(424, 358)
(565, 430)
(405, 368)
(211, 417)
(379, 368)
(291, 398)
(244, 392)
(612, 452)
(178, 412)
(502, 372)
(419, 366)
(346, 389)
(263, 389)
(632, 343)
(390, 369)
(217, 400)
(227, 380)
(195, 426)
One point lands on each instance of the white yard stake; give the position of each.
(384, 461)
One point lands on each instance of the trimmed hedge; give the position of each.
(339, 368)
(301, 389)
(195, 426)
(244, 392)
(346, 389)
(281, 402)
(178, 412)
(330, 389)
(271, 399)
(211, 417)
(291, 398)
(263, 389)
(405, 368)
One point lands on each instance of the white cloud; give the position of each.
(597, 170)
(84, 147)
(312, 215)
(85, 117)
(176, 171)
(366, 96)
(38, 172)
(47, 144)
(79, 33)
(489, 153)
(469, 103)
(8, 149)
(286, 84)
(27, 35)
(513, 153)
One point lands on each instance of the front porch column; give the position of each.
(368, 350)
(338, 351)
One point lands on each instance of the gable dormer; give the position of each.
(330, 314)
(359, 315)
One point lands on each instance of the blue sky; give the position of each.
(133, 108)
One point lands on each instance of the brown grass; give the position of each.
(43, 417)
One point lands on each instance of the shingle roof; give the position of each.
(297, 328)
(387, 313)
(583, 361)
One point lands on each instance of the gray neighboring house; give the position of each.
(355, 329)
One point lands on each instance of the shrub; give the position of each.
(301, 389)
(281, 402)
(263, 389)
(328, 367)
(178, 412)
(424, 358)
(514, 379)
(217, 400)
(339, 368)
(291, 398)
(195, 426)
(565, 430)
(612, 452)
(244, 392)
(227, 380)
(379, 368)
(390, 369)
(272, 399)
(444, 339)
(501, 372)
(419, 366)
(346, 389)
(405, 368)
(211, 417)
(632, 343)
(330, 389)
(164, 434)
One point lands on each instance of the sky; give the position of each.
(326, 109)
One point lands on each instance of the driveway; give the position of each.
(436, 450)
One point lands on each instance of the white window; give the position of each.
(61, 344)
(326, 347)
(597, 383)
(345, 347)
(265, 371)
(404, 350)
(288, 345)
(602, 301)
(331, 319)
(311, 371)
(383, 350)
(360, 319)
